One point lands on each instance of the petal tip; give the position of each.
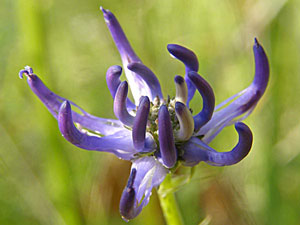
(114, 71)
(256, 43)
(28, 71)
(103, 10)
(242, 127)
(171, 48)
(179, 107)
(132, 65)
(65, 106)
(178, 79)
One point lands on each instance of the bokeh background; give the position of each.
(45, 180)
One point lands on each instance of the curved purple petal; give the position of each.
(242, 104)
(193, 153)
(146, 173)
(208, 100)
(53, 102)
(119, 143)
(166, 139)
(149, 77)
(120, 107)
(113, 81)
(119, 36)
(191, 63)
(136, 83)
(140, 124)
(262, 71)
(128, 203)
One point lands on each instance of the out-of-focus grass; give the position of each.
(46, 180)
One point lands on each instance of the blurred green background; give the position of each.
(46, 180)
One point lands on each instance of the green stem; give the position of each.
(168, 203)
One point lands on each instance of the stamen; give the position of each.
(208, 100)
(113, 81)
(191, 63)
(181, 89)
(120, 108)
(166, 139)
(148, 76)
(140, 124)
(186, 122)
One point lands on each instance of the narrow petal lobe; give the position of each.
(128, 202)
(191, 63)
(262, 70)
(195, 153)
(113, 81)
(53, 103)
(119, 143)
(120, 105)
(140, 124)
(208, 100)
(166, 139)
(137, 84)
(149, 77)
(239, 106)
(146, 174)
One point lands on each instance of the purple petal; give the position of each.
(128, 202)
(208, 100)
(53, 102)
(140, 124)
(137, 84)
(166, 139)
(119, 36)
(113, 81)
(146, 173)
(242, 104)
(120, 107)
(119, 143)
(149, 77)
(262, 71)
(191, 64)
(195, 153)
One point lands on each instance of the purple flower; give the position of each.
(156, 134)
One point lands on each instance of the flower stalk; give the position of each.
(169, 204)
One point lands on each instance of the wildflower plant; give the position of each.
(156, 133)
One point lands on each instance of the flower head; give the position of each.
(156, 134)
